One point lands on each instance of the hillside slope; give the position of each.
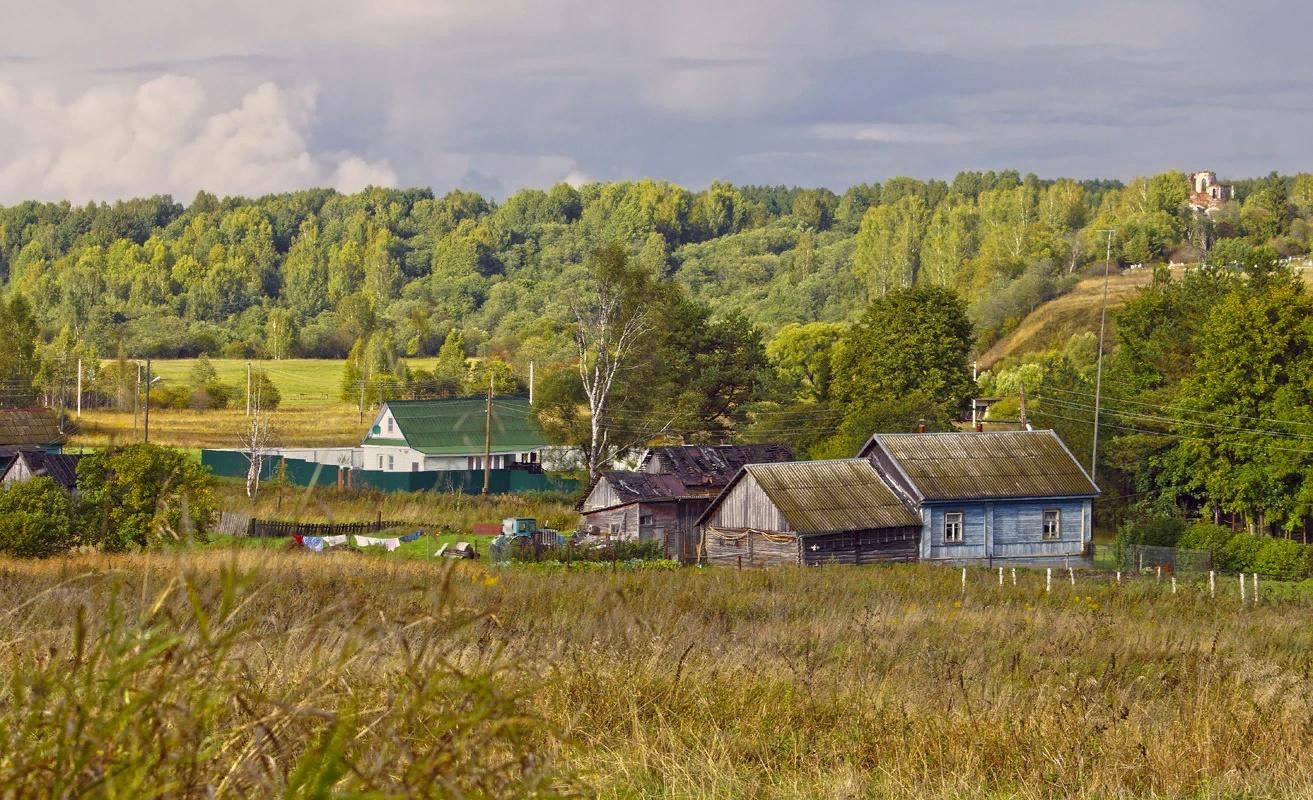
(1053, 323)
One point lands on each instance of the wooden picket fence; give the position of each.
(269, 528)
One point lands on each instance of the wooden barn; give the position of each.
(633, 505)
(811, 512)
(704, 470)
(993, 496)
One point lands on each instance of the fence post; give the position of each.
(1014, 576)
(1255, 587)
(1000, 576)
(1119, 577)
(964, 582)
(1173, 584)
(1242, 588)
(1212, 583)
(1048, 579)
(1160, 573)
(1072, 575)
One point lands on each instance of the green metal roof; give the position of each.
(456, 426)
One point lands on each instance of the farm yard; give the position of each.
(243, 673)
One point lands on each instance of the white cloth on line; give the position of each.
(391, 544)
(334, 541)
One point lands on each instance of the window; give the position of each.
(389, 424)
(645, 519)
(380, 462)
(414, 466)
(1052, 525)
(953, 527)
(391, 463)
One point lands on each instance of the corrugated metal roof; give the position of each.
(26, 427)
(712, 465)
(824, 496)
(992, 465)
(639, 487)
(62, 469)
(456, 426)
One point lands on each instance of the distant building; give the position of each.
(28, 464)
(29, 429)
(1206, 194)
(990, 496)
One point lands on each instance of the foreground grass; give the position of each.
(260, 672)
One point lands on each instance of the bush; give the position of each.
(36, 519)
(1240, 553)
(1281, 558)
(1153, 531)
(1205, 536)
(144, 495)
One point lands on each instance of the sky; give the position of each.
(103, 99)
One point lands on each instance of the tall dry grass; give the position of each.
(378, 676)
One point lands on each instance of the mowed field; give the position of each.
(311, 412)
(232, 673)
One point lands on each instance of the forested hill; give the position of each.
(310, 273)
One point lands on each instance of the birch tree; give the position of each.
(257, 439)
(610, 320)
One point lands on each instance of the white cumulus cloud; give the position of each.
(169, 135)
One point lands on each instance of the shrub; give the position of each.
(143, 495)
(1156, 531)
(36, 519)
(1281, 558)
(1204, 536)
(1240, 553)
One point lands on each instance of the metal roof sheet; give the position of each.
(825, 496)
(991, 465)
(62, 469)
(456, 426)
(28, 427)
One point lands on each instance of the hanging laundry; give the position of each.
(391, 544)
(334, 541)
(367, 541)
(410, 537)
(315, 543)
(296, 537)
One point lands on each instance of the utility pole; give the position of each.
(487, 438)
(974, 377)
(79, 388)
(146, 423)
(1025, 420)
(1098, 374)
(136, 401)
(248, 388)
(530, 383)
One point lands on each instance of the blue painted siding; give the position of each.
(1006, 529)
(975, 520)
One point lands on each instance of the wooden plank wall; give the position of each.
(750, 550)
(862, 547)
(747, 506)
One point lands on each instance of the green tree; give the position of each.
(143, 495)
(36, 519)
(803, 356)
(19, 364)
(912, 341)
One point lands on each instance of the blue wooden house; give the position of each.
(995, 496)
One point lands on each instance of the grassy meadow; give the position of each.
(234, 673)
(310, 413)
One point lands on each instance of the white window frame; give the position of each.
(957, 533)
(389, 423)
(380, 462)
(1045, 534)
(391, 463)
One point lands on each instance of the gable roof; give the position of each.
(634, 487)
(826, 496)
(712, 466)
(456, 426)
(29, 427)
(62, 469)
(991, 465)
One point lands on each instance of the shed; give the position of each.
(28, 464)
(810, 512)
(992, 496)
(639, 505)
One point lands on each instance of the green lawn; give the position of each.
(421, 548)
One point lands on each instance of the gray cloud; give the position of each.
(501, 94)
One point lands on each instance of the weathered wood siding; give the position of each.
(751, 549)
(862, 547)
(17, 472)
(747, 506)
(1006, 529)
(642, 521)
(602, 496)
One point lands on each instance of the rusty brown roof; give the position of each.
(29, 427)
(990, 465)
(825, 496)
(711, 466)
(635, 487)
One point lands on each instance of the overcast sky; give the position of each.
(112, 98)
